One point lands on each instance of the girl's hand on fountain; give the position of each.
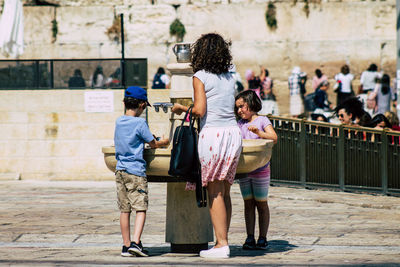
(253, 129)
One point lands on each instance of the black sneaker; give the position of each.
(125, 252)
(137, 249)
(262, 243)
(250, 243)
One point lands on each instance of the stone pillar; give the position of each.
(188, 228)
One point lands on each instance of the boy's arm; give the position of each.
(149, 138)
(156, 144)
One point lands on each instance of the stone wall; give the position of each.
(48, 135)
(334, 32)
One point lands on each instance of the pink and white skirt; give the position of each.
(219, 151)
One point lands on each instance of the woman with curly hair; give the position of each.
(220, 141)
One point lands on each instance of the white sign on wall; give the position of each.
(99, 101)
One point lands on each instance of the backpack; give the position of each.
(239, 86)
(309, 103)
(157, 82)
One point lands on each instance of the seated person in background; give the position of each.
(319, 117)
(115, 79)
(253, 82)
(266, 86)
(160, 80)
(364, 120)
(321, 98)
(379, 121)
(318, 79)
(98, 78)
(77, 80)
(349, 110)
(393, 120)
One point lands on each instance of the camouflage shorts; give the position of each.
(132, 192)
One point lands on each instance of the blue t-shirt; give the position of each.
(130, 135)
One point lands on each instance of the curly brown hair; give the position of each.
(211, 53)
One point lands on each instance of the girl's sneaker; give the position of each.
(250, 243)
(262, 243)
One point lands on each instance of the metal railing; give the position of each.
(318, 154)
(58, 73)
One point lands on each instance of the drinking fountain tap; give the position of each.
(163, 105)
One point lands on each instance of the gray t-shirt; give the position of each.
(383, 100)
(220, 93)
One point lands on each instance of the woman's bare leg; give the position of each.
(218, 211)
(228, 203)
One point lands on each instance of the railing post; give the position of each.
(37, 74)
(340, 157)
(123, 66)
(51, 74)
(384, 162)
(302, 153)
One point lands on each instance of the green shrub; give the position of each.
(177, 29)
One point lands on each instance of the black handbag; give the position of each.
(185, 162)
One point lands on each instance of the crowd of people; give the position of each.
(97, 79)
(375, 100)
(373, 105)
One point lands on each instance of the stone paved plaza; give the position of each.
(76, 223)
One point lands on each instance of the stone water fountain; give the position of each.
(188, 228)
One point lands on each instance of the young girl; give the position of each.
(255, 186)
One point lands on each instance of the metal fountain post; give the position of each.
(122, 50)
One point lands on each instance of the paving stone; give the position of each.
(77, 223)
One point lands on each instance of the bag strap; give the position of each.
(191, 119)
(201, 192)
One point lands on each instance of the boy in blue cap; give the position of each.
(131, 132)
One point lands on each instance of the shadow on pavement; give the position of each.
(274, 246)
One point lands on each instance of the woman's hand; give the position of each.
(177, 108)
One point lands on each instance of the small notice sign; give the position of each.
(99, 101)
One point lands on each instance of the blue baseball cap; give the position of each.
(137, 92)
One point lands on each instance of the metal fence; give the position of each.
(60, 73)
(318, 154)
